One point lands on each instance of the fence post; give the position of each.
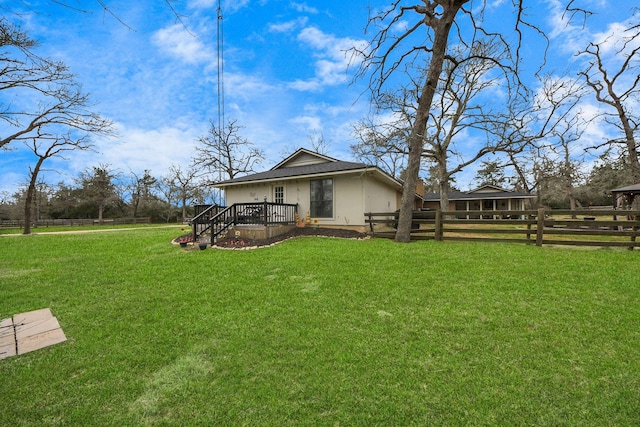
(368, 215)
(438, 233)
(264, 211)
(633, 236)
(540, 227)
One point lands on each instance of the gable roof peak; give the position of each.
(302, 157)
(489, 187)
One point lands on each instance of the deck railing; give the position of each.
(585, 227)
(201, 222)
(219, 219)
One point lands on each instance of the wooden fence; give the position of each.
(606, 228)
(19, 223)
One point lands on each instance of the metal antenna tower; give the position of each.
(220, 58)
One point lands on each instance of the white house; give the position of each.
(330, 192)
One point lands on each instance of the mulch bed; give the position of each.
(233, 242)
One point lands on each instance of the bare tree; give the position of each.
(438, 19)
(376, 146)
(170, 190)
(410, 31)
(185, 185)
(318, 142)
(381, 137)
(618, 86)
(224, 153)
(388, 51)
(45, 108)
(465, 100)
(570, 157)
(45, 148)
(464, 103)
(55, 98)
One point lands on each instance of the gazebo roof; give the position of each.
(628, 189)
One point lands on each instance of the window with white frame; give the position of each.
(278, 194)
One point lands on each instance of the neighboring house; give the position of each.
(485, 198)
(330, 192)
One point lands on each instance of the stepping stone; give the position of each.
(7, 338)
(28, 332)
(32, 316)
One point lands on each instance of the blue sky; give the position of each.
(286, 73)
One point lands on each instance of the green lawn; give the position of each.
(320, 331)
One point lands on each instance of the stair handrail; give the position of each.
(198, 220)
(215, 220)
(197, 217)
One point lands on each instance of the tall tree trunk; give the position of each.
(31, 191)
(443, 186)
(100, 212)
(632, 148)
(184, 207)
(441, 30)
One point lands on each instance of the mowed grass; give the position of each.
(320, 331)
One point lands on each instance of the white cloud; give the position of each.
(333, 58)
(245, 86)
(304, 8)
(308, 123)
(180, 43)
(289, 26)
(203, 4)
(312, 85)
(400, 27)
(232, 6)
(139, 149)
(612, 41)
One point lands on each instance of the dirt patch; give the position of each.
(233, 242)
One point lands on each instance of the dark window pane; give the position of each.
(322, 198)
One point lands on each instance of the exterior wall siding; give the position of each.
(353, 195)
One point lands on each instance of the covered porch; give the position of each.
(485, 198)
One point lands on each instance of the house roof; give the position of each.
(481, 193)
(298, 171)
(305, 164)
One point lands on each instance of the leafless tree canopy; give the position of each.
(616, 84)
(225, 154)
(42, 106)
(40, 98)
(432, 27)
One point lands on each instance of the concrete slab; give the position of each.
(6, 328)
(38, 341)
(29, 331)
(5, 323)
(32, 316)
(7, 338)
(24, 330)
(7, 351)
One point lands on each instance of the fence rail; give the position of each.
(14, 223)
(586, 227)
